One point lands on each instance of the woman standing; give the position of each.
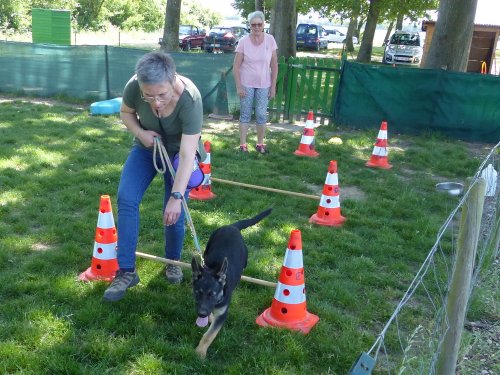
(157, 102)
(255, 70)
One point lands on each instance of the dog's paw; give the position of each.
(202, 352)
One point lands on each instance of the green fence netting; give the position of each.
(100, 72)
(460, 105)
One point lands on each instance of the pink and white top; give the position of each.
(255, 68)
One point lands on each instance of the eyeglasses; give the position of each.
(256, 24)
(162, 98)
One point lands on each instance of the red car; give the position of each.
(223, 38)
(190, 37)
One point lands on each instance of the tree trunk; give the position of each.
(285, 21)
(361, 23)
(171, 29)
(399, 21)
(351, 30)
(259, 5)
(353, 24)
(272, 21)
(389, 31)
(365, 51)
(452, 36)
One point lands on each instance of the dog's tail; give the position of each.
(242, 224)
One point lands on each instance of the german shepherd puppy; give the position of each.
(225, 259)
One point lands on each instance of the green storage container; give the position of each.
(51, 26)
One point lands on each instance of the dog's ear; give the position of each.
(196, 268)
(222, 272)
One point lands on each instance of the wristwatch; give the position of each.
(176, 195)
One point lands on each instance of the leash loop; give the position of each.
(165, 162)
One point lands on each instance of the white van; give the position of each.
(404, 47)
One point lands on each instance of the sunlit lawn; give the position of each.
(56, 161)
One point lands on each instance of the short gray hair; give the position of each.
(155, 67)
(256, 14)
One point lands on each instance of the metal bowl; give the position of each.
(452, 188)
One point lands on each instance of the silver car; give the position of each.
(403, 48)
(337, 36)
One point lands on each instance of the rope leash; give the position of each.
(160, 149)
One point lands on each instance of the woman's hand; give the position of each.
(147, 137)
(172, 211)
(272, 92)
(241, 92)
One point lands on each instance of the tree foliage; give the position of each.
(245, 7)
(146, 15)
(192, 13)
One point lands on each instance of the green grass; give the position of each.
(56, 161)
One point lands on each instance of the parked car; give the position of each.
(224, 38)
(336, 36)
(403, 47)
(311, 36)
(190, 37)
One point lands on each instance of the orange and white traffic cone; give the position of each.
(306, 146)
(204, 191)
(379, 157)
(329, 205)
(288, 308)
(104, 263)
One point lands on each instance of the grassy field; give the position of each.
(56, 161)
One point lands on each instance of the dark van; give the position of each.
(310, 35)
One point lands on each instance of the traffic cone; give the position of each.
(379, 154)
(204, 191)
(104, 263)
(306, 146)
(288, 308)
(329, 205)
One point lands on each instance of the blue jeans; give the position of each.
(137, 174)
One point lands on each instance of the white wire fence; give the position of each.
(414, 336)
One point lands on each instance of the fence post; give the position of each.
(276, 105)
(458, 295)
(291, 89)
(336, 81)
(106, 59)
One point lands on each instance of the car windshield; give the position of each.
(183, 29)
(220, 30)
(406, 39)
(307, 29)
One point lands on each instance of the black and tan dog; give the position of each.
(213, 283)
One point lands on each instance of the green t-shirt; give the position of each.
(186, 118)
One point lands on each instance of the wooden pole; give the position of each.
(265, 188)
(187, 265)
(458, 295)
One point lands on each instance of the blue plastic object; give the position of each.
(106, 107)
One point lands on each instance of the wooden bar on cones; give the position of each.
(328, 213)
(288, 308)
(104, 263)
